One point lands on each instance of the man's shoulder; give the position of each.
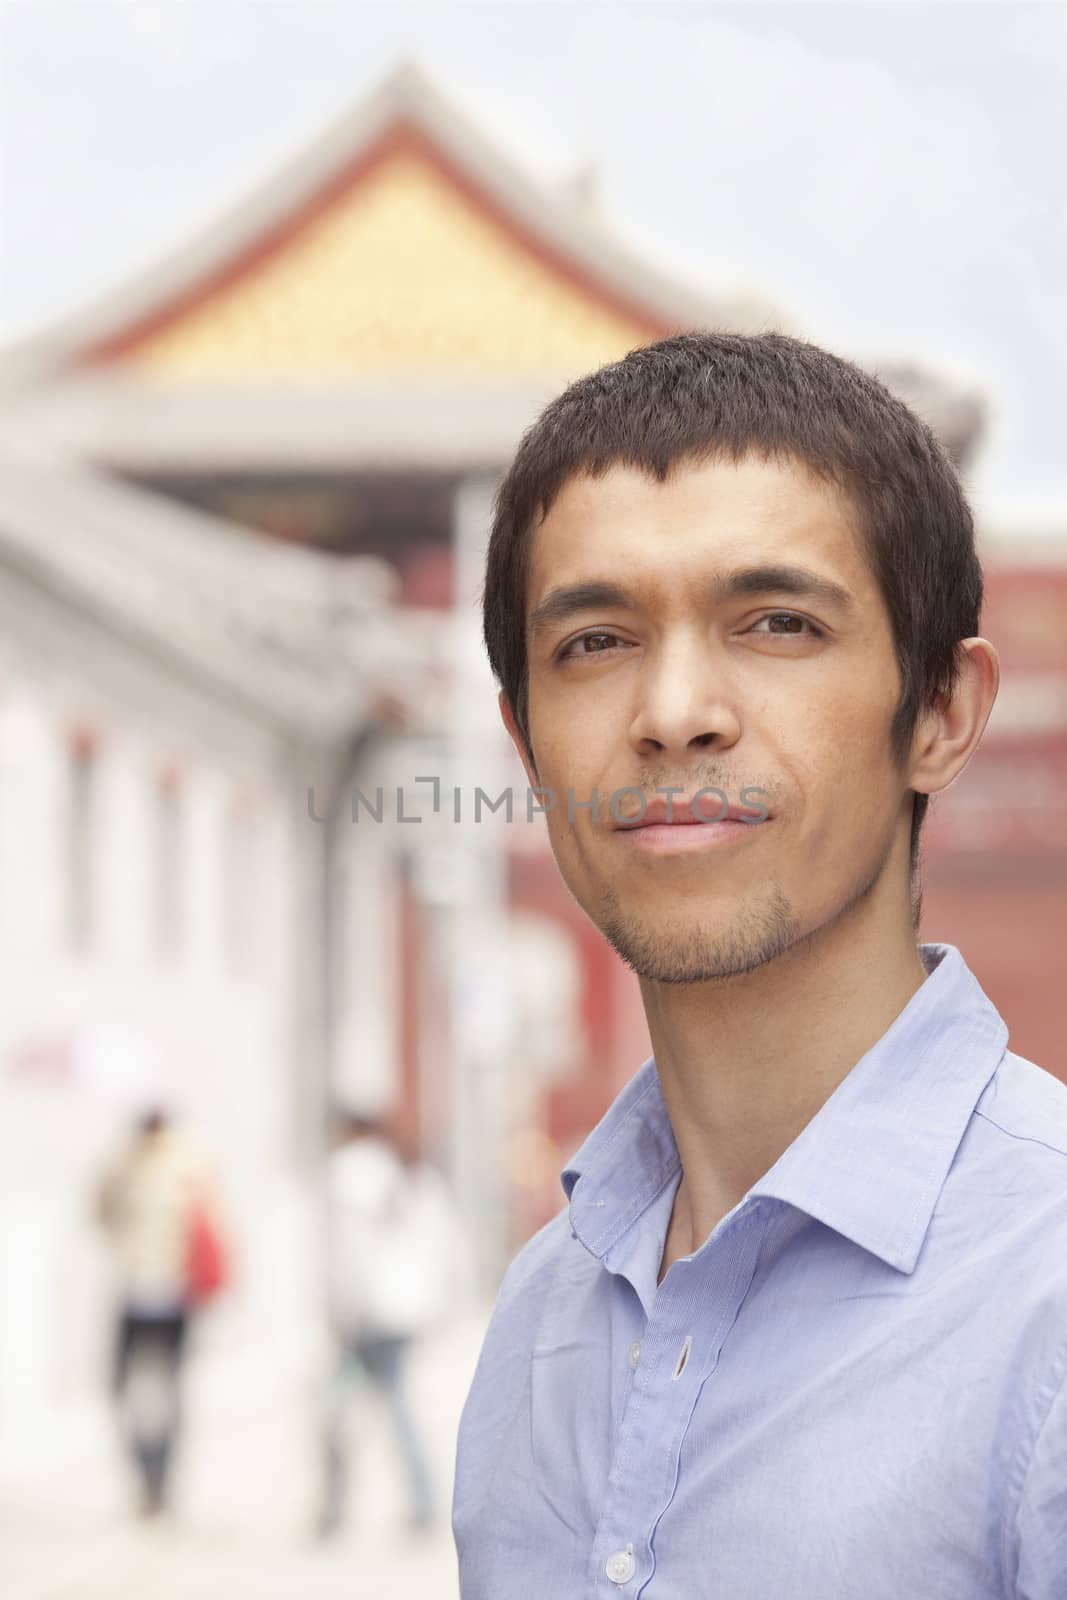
(538, 1256)
(524, 1292)
(1014, 1170)
(1028, 1105)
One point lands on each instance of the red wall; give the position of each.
(1011, 927)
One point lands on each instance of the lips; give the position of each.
(683, 814)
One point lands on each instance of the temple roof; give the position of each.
(403, 241)
(401, 295)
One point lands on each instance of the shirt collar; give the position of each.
(872, 1161)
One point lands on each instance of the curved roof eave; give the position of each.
(298, 639)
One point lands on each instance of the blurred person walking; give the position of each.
(156, 1204)
(396, 1262)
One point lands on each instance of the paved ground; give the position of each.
(244, 1512)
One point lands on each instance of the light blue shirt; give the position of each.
(855, 1389)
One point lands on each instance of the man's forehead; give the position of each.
(712, 517)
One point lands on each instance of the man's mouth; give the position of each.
(705, 810)
(685, 824)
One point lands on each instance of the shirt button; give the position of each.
(635, 1352)
(620, 1566)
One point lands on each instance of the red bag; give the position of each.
(206, 1267)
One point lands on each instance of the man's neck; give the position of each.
(745, 1063)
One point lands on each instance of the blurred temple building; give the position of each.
(244, 711)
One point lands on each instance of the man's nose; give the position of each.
(685, 701)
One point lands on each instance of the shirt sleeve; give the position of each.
(1042, 1521)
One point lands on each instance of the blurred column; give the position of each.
(319, 774)
(477, 959)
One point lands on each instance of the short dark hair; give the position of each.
(701, 395)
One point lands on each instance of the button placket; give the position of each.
(664, 1392)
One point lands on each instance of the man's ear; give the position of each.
(947, 734)
(517, 740)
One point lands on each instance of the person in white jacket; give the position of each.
(396, 1261)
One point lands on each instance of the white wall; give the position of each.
(223, 1037)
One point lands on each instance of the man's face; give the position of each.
(692, 675)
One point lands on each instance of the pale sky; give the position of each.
(889, 171)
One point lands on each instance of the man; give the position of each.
(801, 1333)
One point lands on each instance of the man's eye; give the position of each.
(595, 639)
(789, 632)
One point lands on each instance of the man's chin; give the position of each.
(678, 955)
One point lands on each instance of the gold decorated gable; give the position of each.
(404, 269)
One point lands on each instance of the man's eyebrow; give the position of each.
(566, 601)
(800, 582)
(560, 604)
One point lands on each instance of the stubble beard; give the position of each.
(759, 934)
